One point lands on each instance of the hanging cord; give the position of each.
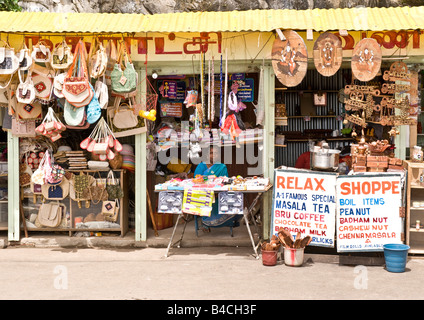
(220, 97)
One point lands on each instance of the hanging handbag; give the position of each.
(25, 92)
(78, 187)
(29, 111)
(112, 55)
(61, 57)
(97, 60)
(25, 59)
(73, 116)
(76, 86)
(110, 210)
(23, 128)
(97, 192)
(124, 117)
(113, 187)
(41, 52)
(123, 76)
(9, 62)
(51, 214)
(93, 109)
(56, 191)
(38, 177)
(42, 79)
(102, 92)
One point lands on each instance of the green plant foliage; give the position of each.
(10, 5)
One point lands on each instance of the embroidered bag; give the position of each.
(57, 191)
(61, 57)
(25, 92)
(76, 88)
(9, 62)
(41, 52)
(25, 59)
(42, 79)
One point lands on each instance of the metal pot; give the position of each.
(325, 159)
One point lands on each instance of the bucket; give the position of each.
(395, 256)
(269, 258)
(293, 256)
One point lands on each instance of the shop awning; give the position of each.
(373, 19)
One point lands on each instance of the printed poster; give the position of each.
(305, 202)
(368, 212)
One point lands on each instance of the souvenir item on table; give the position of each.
(9, 62)
(42, 78)
(41, 52)
(97, 59)
(290, 58)
(101, 142)
(25, 92)
(230, 202)
(51, 126)
(61, 56)
(123, 77)
(76, 87)
(198, 202)
(170, 202)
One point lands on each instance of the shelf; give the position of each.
(299, 117)
(280, 145)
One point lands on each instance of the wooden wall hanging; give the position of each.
(328, 54)
(290, 58)
(366, 59)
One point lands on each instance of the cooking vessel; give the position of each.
(325, 159)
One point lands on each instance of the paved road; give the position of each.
(191, 273)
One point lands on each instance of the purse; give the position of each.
(123, 77)
(29, 111)
(41, 52)
(110, 210)
(25, 92)
(124, 117)
(113, 187)
(76, 87)
(24, 57)
(93, 109)
(97, 192)
(23, 128)
(9, 62)
(42, 79)
(97, 62)
(56, 191)
(73, 116)
(51, 214)
(61, 57)
(112, 55)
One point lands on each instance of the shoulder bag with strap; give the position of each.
(123, 76)
(76, 87)
(61, 57)
(51, 214)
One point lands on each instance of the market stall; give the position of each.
(196, 197)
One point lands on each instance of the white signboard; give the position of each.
(305, 202)
(368, 212)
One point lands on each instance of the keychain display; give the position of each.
(102, 142)
(230, 203)
(170, 202)
(51, 126)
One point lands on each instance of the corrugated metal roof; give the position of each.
(374, 19)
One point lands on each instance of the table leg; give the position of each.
(246, 221)
(170, 244)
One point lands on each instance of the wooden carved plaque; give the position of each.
(328, 54)
(366, 59)
(290, 58)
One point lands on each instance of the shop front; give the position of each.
(218, 88)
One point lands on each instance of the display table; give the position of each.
(245, 212)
